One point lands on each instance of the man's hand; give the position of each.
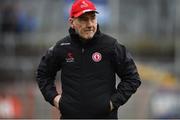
(56, 101)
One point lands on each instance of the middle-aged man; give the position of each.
(89, 61)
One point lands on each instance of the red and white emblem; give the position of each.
(96, 57)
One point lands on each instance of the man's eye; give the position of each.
(93, 17)
(82, 19)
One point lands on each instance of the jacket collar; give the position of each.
(76, 38)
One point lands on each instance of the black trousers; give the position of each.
(112, 115)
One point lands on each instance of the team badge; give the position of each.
(70, 57)
(96, 57)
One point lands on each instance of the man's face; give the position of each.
(85, 25)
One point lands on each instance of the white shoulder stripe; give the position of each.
(62, 44)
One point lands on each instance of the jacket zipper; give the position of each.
(82, 77)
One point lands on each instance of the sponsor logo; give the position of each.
(96, 57)
(84, 4)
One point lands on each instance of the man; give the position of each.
(89, 61)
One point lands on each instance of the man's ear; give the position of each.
(71, 22)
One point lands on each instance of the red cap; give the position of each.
(80, 7)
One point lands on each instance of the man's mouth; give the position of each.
(89, 31)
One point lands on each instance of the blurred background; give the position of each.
(148, 28)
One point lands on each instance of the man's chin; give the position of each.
(87, 37)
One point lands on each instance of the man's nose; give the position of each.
(89, 22)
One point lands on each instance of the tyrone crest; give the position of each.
(96, 57)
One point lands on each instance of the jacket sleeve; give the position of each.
(127, 71)
(46, 74)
